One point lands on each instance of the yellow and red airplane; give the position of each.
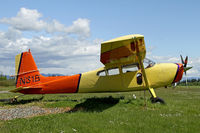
(125, 69)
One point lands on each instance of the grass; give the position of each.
(9, 82)
(111, 113)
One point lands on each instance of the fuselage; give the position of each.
(118, 79)
(158, 76)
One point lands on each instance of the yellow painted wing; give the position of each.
(123, 50)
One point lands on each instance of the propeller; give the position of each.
(185, 62)
(183, 68)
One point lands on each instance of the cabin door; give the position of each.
(132, 77)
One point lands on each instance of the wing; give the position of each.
(123, 50)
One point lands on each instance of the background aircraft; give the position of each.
(125, 69)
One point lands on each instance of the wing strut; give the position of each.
(154, 98)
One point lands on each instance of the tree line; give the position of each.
(6, 80)
(190, 82)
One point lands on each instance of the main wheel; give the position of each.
(157, 100)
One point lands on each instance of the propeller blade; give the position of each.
(186, 61)
(182, 59)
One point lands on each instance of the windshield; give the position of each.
(148, 63)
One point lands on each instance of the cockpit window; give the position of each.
(130, 68)
(101, 73)
(113, 71)
(126, 68)
(148, 63)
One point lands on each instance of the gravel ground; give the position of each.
(23, 112)
(4, 92)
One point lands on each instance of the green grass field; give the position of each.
(110, 113)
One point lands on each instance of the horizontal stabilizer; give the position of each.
(25, 88)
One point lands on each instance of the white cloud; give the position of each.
(80, 26)
(66, 54)
(31, 20)
(13, 34)
(57, 53)
(26, 20)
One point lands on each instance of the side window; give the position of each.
(113, 71)
(101, 73)
(129, 68)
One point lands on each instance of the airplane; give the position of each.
(125, 69)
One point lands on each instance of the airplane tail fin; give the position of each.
(26, 70)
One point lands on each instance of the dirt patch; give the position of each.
(24, 112)
(2, 92)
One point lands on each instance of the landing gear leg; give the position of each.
(42, 97)
(154, 98)
(14, 100)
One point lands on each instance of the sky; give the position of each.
(65, 35)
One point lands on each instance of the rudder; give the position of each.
(26, 70)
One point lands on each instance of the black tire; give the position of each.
(157, 100)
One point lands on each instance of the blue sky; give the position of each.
(170, 27)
